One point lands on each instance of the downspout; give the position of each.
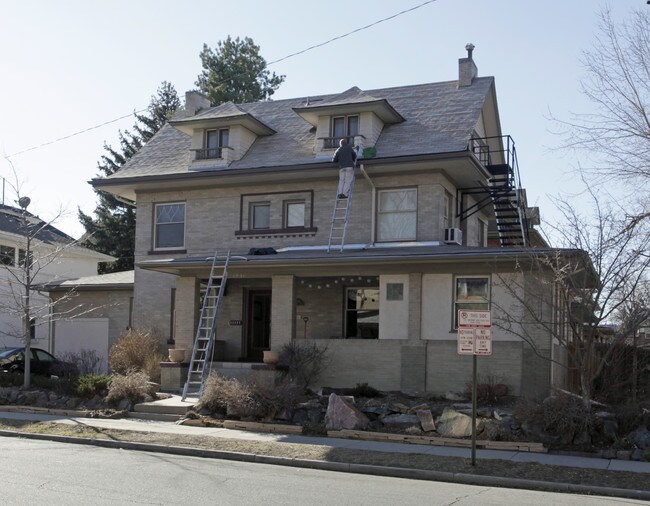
(373, 218)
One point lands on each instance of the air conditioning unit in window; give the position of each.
(453, 236)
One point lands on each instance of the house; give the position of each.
(437, 211)
(90, 313)
(52, 256)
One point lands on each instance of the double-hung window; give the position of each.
(471, 293)
(215, 142)
(344, 127)
(294, 213)
(397, 215)
(448, 212)
(169, 230)
(260, 215)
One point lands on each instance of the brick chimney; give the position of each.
(467, 70)
(194, 102)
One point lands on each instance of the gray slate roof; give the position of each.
(19, 222)
(439, 118)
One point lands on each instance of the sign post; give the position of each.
(474, 338)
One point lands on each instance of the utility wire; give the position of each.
(310, 48)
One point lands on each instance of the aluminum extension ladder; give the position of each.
(206, 330)
(340, 216)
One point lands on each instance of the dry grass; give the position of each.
(139, 350)
(501, 468)
(133, 386)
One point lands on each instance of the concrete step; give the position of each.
(157, 417)
(171, 406)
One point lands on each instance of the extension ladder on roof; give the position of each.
(206, 330)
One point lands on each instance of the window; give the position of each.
(294, 213)
(21, 258)
(397, 215)
(344, 127)
(394, 291)
(471, 292)
(7, 256)
(215, 141)
(32, 329)
(362, 313)
(169, 226)
(260, 215)
(448, 213)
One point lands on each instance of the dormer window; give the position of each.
(343, 127)
(215, 142)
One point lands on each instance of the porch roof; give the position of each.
(372, 260)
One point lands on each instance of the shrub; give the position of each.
(489, 389)
(561, 414)
(305, 362)
(90, 385)
(11, 379)
(136, 350)
(133, 386)
(62, 386)
(247, 398)
(86, 361)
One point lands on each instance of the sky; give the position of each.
(70, 66)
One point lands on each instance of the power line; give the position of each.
(352, 32)
(315, 46)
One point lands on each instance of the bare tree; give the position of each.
(26, 267)
(616, 136)
(561, 300)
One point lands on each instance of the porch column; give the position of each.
(186, 310)
(283, 311)
(415, 306)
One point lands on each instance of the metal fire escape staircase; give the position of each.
(503, 190)
(207, 326)
(340, 215)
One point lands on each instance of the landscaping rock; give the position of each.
(315, 415)
(623, 454)
(454, 424)
(637, 454)
(609, 453)
(380, 411)
(489, 429)
(426, 420)
(420, 407)
(124, 405)
(484, 412)
(398, 407)
(640, 437)
(310, 404)
(375, 426)
(413, 431)
(285, 415)
(400, 420)
(341, 414)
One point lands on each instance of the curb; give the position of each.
(386, 471)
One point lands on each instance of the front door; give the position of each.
(258, 323)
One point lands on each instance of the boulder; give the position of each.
(426, 419)
(454, 424)
(454, 396)
(413, 410)
(341, 414)
(400, 421)
(413, 430)
(376, 410)
(315, 415)
(300, 417)
(489, 429)
(398, 407)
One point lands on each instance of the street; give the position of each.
(44, 472)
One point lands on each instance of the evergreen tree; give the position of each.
(235, 71)
(112, 228)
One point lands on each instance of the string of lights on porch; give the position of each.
(320, 283)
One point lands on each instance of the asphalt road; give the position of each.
(43, 472)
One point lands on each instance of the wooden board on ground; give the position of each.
(438, 441)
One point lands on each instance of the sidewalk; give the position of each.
(513, 456)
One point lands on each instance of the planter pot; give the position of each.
(176, 354)
(271, 357)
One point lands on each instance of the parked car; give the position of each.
(41, 363)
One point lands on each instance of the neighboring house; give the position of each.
(437, 183)
(53, 256)
(90, 313)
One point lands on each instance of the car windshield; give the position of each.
(6, 352)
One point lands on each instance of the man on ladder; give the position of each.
(346, 158)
